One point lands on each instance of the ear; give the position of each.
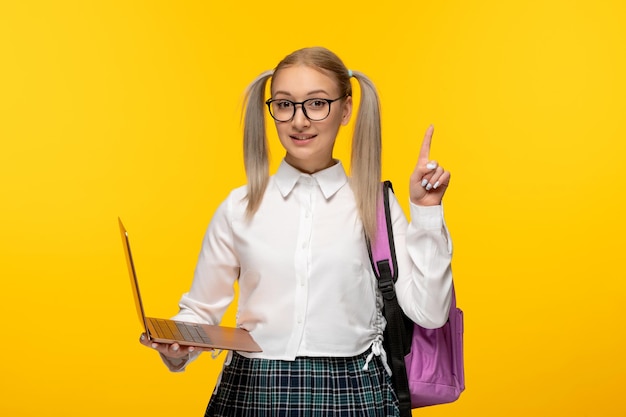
(347, 111)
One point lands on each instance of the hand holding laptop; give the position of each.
(171, 350)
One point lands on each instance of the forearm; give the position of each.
(424, 258)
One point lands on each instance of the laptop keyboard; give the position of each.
(178, 330)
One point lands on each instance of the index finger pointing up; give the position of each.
(425, 150)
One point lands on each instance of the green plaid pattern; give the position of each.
(306, 387)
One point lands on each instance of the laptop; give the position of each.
(182, 332)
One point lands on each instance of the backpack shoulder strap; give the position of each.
(384, 264)
(382, 249)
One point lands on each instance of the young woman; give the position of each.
(296, 242)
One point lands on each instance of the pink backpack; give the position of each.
(427, 364)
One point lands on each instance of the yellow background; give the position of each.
(132, 108)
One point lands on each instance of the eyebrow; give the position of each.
(308, 94)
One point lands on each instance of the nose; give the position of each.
(299, 118)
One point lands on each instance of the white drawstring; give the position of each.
(377, 344)
(378, 350)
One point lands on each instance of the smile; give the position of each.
(302, 137)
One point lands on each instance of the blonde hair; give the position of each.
(366, 138)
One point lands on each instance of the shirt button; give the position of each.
(299, 320)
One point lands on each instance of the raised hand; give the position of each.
(429, 181)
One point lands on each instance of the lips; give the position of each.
(302, 137)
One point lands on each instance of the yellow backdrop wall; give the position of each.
(132, 108)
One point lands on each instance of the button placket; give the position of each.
(304, 191)
(305, 236)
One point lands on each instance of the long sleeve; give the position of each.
(424, 254)
(216, 271)
(212, 289)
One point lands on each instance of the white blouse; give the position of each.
(306, 286)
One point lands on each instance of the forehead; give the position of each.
(300, 80)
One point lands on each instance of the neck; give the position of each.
(310, 167)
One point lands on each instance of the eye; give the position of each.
(283, 104)
(316, 103)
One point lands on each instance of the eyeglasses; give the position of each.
(314, 109)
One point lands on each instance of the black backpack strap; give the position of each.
(386, 270)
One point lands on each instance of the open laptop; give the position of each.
(181, 332)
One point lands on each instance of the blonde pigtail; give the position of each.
(255, 146)
(366, 154)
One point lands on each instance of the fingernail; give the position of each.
(431, 165)
(191, 349)
(428, 187)
(143, 337)
(424, 182)
(175, 348)
(154, 346)
(436, 185)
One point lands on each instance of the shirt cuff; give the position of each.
(179, 365)
(427, 217)
(174, 365)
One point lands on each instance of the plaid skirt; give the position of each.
(305, 387)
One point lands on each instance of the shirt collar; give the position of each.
(330, 180)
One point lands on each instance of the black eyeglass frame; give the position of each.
(301, 103)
